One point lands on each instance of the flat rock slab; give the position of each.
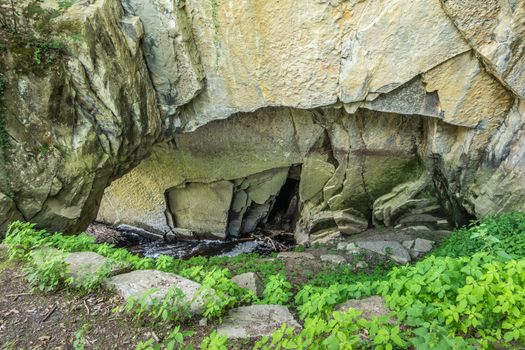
(371, 307)
(79, 264)
(334, 259)
(423, 245)
(392, 249)
(256, 321)
(251, 281)
(136, 283)
(295, 255)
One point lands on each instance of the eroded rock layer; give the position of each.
(323, 118)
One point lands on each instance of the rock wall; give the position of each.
(379, 109)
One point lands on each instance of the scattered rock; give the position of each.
(423, 245)
(416, 228)
(295, 255)
(256, 321)
(335, 259)
(351, 247)
(203, 322)
(393, 249)
(136, 283)
(251, 281)
(374, 306)
(361, 265)
(408, 244)
(85, 264)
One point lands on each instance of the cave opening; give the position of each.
(285, 211)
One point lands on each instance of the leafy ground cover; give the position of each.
(469, 294)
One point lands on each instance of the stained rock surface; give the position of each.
(256, 321)
(324, 119)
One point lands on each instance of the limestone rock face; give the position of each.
(495, 29)
(322, 118)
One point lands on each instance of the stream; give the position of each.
(136, 242)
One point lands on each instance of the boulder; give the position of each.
(202, 208)
(295, 255)
(392, 249)
(423, 245)
(256, 321)
(251, 281)
(334, 259)
(136, 283)
(374, 306)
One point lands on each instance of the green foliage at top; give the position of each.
(493, 234)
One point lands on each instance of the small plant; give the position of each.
(173, 307)
(46, 273)
(277, 290)
(79, 343)
(214, 342)
(175, 340)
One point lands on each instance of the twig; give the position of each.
(155, 336)
(87, 308)
(17, 295)
(50, 313)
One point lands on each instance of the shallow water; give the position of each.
(188, 249)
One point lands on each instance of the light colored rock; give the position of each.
(170, 51)
(361, 265)
(136, 283)
(423, 245)
(392, 249)
(202, 208)
(408, 244)
(371, 307)
(256, 321)
(85, 264)
(316, 171)
(495, 29)
(251, 281)
(334, 259)
(416, 228)
(295, 255)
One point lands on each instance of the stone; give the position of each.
(136, 283)
(423, 245)
(256, 321)
(495, 30)
(202, 208)
(361, 265)
(416, 228)
(334, 259)
(86, 264)
(295, 255)
(408, 244)
(371, 307)
(392, 249)
(203, 322)
(316, 171)
(251, 281)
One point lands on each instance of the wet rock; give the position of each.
(251, 281)
(334, 259)
(256, 321)
(392, 249)
(136, 283)
(295, 255)
(423, 245)
(374, 306)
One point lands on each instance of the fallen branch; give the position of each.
(17, 295)
(49, 313)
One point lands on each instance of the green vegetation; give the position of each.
(175, 340)
(469, 294)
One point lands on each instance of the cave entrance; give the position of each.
(285, 211)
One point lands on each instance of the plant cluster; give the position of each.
(175, 340)
(469, 295)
